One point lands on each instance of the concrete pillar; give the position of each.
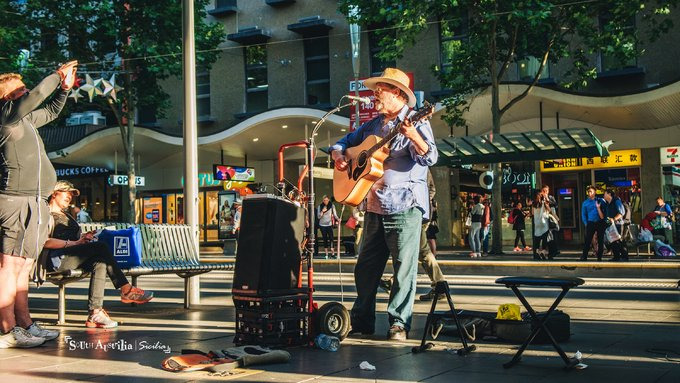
(650, 178)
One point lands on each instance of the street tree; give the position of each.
(140, 41)
(489, 36)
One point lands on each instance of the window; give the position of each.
(202, 92)
(610, 62)
(377, 64)
(225, 3)
(257, 86)
(452, 34)
(223, 8)
(317, 68)
(528, 67)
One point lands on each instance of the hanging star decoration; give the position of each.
(105, 87)
(113, 93)
(89, 87)
(98, 87)
(75, 95)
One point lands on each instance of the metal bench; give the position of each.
(634, 230)
(166, 249)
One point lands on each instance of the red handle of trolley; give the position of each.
(305, 170)
(310, 211)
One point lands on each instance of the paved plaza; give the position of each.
(628, 330)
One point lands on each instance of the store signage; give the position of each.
(672, 175)
(122, 180)
(615, 159)
(80, 171)
(486, 180)
(233, 173)
(366, 111)
(517, 179)
(670, 155)
(207, 179)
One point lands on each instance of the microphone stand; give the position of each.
(310, 200)
(311, 148)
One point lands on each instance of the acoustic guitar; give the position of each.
(365, 163)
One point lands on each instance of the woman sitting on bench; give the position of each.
(70, 249)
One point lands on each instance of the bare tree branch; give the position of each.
(511, 52)
(533, 83)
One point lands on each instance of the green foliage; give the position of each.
(483, 38)
(13, 36)
(141, 37)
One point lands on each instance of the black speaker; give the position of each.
(268, 253)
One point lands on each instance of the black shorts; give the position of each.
(23, 225)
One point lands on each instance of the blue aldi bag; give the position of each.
(125, 245)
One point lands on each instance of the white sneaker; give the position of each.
(20, 338)
(36, 330)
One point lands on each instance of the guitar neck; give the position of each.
(422, 113)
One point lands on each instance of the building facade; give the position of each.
(285, 63)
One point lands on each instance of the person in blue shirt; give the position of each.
(592, 217)
(662, 209)
(396, 205)
(615, 212)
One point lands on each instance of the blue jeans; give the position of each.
(397, 235)
(475, 241)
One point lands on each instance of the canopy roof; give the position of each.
(526, 146)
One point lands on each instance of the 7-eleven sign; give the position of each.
(670, 155)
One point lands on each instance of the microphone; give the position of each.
(364, 100)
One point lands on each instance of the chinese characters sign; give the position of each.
(615, 159)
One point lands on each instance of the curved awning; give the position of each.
(525, 146)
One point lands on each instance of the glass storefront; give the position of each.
(101, 200)
(168, 207)
(568, 179)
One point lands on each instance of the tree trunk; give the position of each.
(497, 200)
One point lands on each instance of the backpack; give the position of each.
(511, 217)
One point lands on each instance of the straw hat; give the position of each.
(394, 76)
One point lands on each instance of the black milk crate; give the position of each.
(272, 320)
(276, 332)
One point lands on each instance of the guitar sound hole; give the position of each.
(361, 160)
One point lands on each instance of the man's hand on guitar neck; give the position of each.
(409, 131)
(339, 159)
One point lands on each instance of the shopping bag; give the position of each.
(611, 234)
(351, 223)
(125, 245)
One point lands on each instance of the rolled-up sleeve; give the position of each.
(432, 155)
